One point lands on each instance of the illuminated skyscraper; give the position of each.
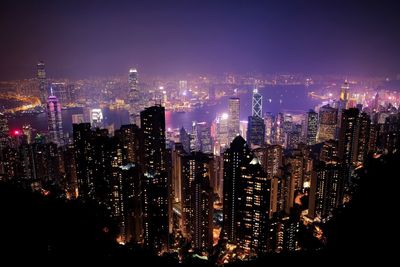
(236, 156)
(255, 131)
(246, 198)
(347, 138)
(222, 131)
(312, 127)
(3, 131)
(133, 96)
(256, 110)
(269, 123)
(155, 185)
(184, 138)
(96, 118)
(362, 138)
(327, 183)
(328, 117)
(253, 209)
(278, 137)
(234, 117)
(345, 91)
(41, 76)
(54, 120)
(197, 199)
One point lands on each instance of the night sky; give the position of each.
(80, 39)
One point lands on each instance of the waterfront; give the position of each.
(292, 99)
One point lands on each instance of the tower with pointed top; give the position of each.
(54, 117)
(256, 110)
(133, 96)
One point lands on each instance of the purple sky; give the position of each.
(89, 38)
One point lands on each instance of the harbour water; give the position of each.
(291, 99)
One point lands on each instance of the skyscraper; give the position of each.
(152, 121)
(312, 127)
(234, 117)
(328, 117)
(328, 182)
(155, 185)
(54, 120)
(41, 77)
(197, 199)
(362, 139)
(246, 198)
(3, 131)
(253, 209)
(133, 96)
(347, 136)
(345, 91)
(184, 138)
(236, 156)
(255, 131)
(256, 110)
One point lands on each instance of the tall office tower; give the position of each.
(93, 154)
(296, 178)
(255, 131)
(55, 120)
(194, 138)
(234, 118)
(130, 138)
(155, 185)
(204, 137)
(278, 135)
(289, 228)
(152, 121)
(329, 151)
(389, 136)
(41, 77)
(197, 199)
(294, 138)
(176, 156)
(133, 96)
(328, 117)
(312, 127)
(373, 138)
(343, 100)
(70, 172)
(126, 200)
(269, 123)
(96, 118)
(222, 131)
(253, 197)
(326, 191)
(28, 133)
(4, 134)
(256, 107)
(287, 123)
(362, 139)
(235, 157)
(376, 102)
(184, 139)
(272, 165)
(217, 183)
(347, 137)
(183, 88)
(345, 91)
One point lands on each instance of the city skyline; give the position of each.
(205, 133)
